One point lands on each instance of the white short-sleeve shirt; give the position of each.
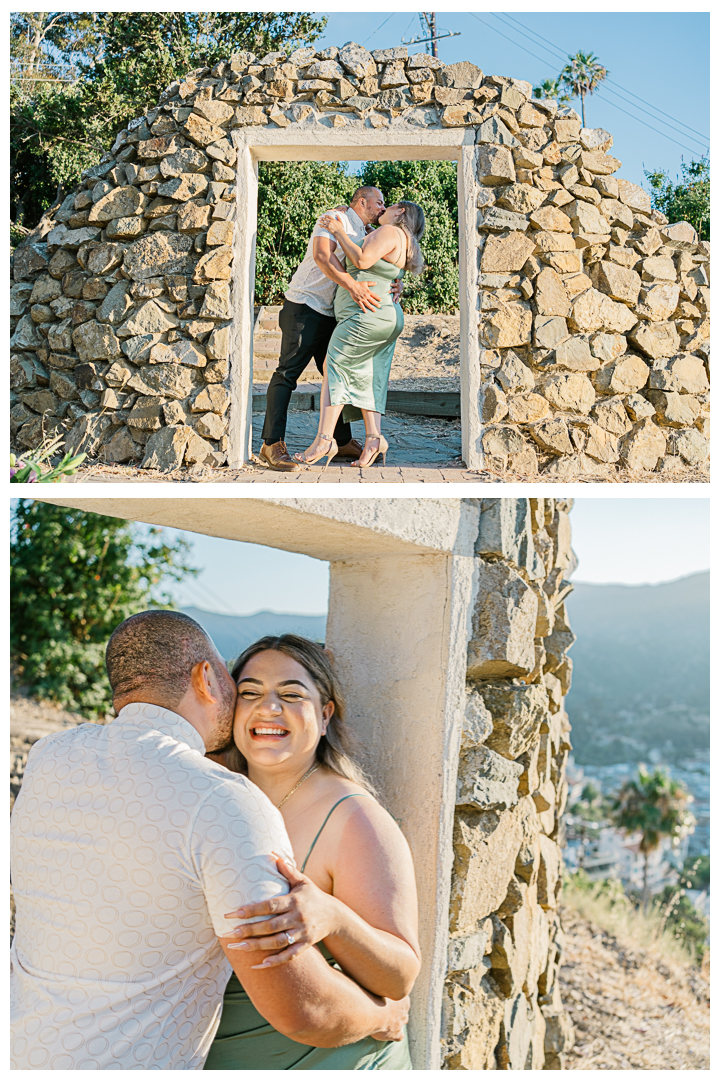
(308, 284)
(128, 848)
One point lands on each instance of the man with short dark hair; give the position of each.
(307, 321)
(129, 846)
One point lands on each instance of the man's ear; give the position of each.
(204, 682)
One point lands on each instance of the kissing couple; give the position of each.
(342, 309)
(162, 922)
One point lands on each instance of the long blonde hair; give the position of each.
(412, 224)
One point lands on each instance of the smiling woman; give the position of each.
(358, 898)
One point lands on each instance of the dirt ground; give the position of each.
(630, 1009)
(427, 354)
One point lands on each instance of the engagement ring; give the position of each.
(290, 938)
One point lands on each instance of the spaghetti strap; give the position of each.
(354, 795)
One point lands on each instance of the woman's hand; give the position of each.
(331, 224)
(306, 914)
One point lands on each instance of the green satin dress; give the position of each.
(245, 1040)
(363, 342)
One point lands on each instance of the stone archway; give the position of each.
(584, 314)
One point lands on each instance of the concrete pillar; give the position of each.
(241, 331)
(398, 628)
(468, 304)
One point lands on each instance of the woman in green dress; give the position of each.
(357, 367)
(355, 896)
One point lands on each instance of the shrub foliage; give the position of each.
(74, 576)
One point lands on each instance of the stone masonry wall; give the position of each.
(593, 312)
(502, 1006)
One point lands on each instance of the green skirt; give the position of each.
(245, 1040)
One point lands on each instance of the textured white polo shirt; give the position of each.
(308, 284)
(128, 847)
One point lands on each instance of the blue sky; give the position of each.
(661, 57)
(626, 541)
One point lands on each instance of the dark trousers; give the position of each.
(305, 337)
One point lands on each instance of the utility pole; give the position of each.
(427, 21)
(431, 26)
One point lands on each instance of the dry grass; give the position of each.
(635, 998)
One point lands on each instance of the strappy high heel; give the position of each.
(331, 452)
(382, 449)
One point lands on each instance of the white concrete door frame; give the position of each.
(321, 143)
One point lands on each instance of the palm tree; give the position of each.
(551, 88)
(655, 806)
(582, 76)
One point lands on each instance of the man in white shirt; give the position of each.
(129, 846)
(307, 322)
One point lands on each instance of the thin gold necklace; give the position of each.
(300, 781)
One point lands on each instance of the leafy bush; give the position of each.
(291, 196)
(680, 917)
(432, 184)
(688, 200)
(79, 77)
(74, 576)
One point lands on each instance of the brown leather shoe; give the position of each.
(353, 450)
(276, 457)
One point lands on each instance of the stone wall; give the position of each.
(592, 311)
(502, 1004)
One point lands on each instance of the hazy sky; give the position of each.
(627, 541)
(660, 57)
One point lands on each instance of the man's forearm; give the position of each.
(332, 268)
(342, 1014)
(310, 1001)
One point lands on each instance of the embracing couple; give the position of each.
(162, 920)
(349, 331)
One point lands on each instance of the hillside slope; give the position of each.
(641, 664)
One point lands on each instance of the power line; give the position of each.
(685, 134)
(544, 61)
(663, 114)
(378, 28)
(645, 123)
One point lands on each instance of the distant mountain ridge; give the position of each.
(233, 633)
(641, 675)
(641, 664)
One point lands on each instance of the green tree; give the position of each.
(695, 873)
(432, 184)
(74, 576)
(582, 76)
(291, 196)
(655, 806)
(115, 64)
(686, 200)
(552, 88)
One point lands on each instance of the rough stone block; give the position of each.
(495, 166)
(486, 846)
(657, 339)
(643, 447)
(518, 713)
(165, 449)
(157, 254)
(673, 410)
(487, 780)
(505, 532)
(502, 644)
(477, 723)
